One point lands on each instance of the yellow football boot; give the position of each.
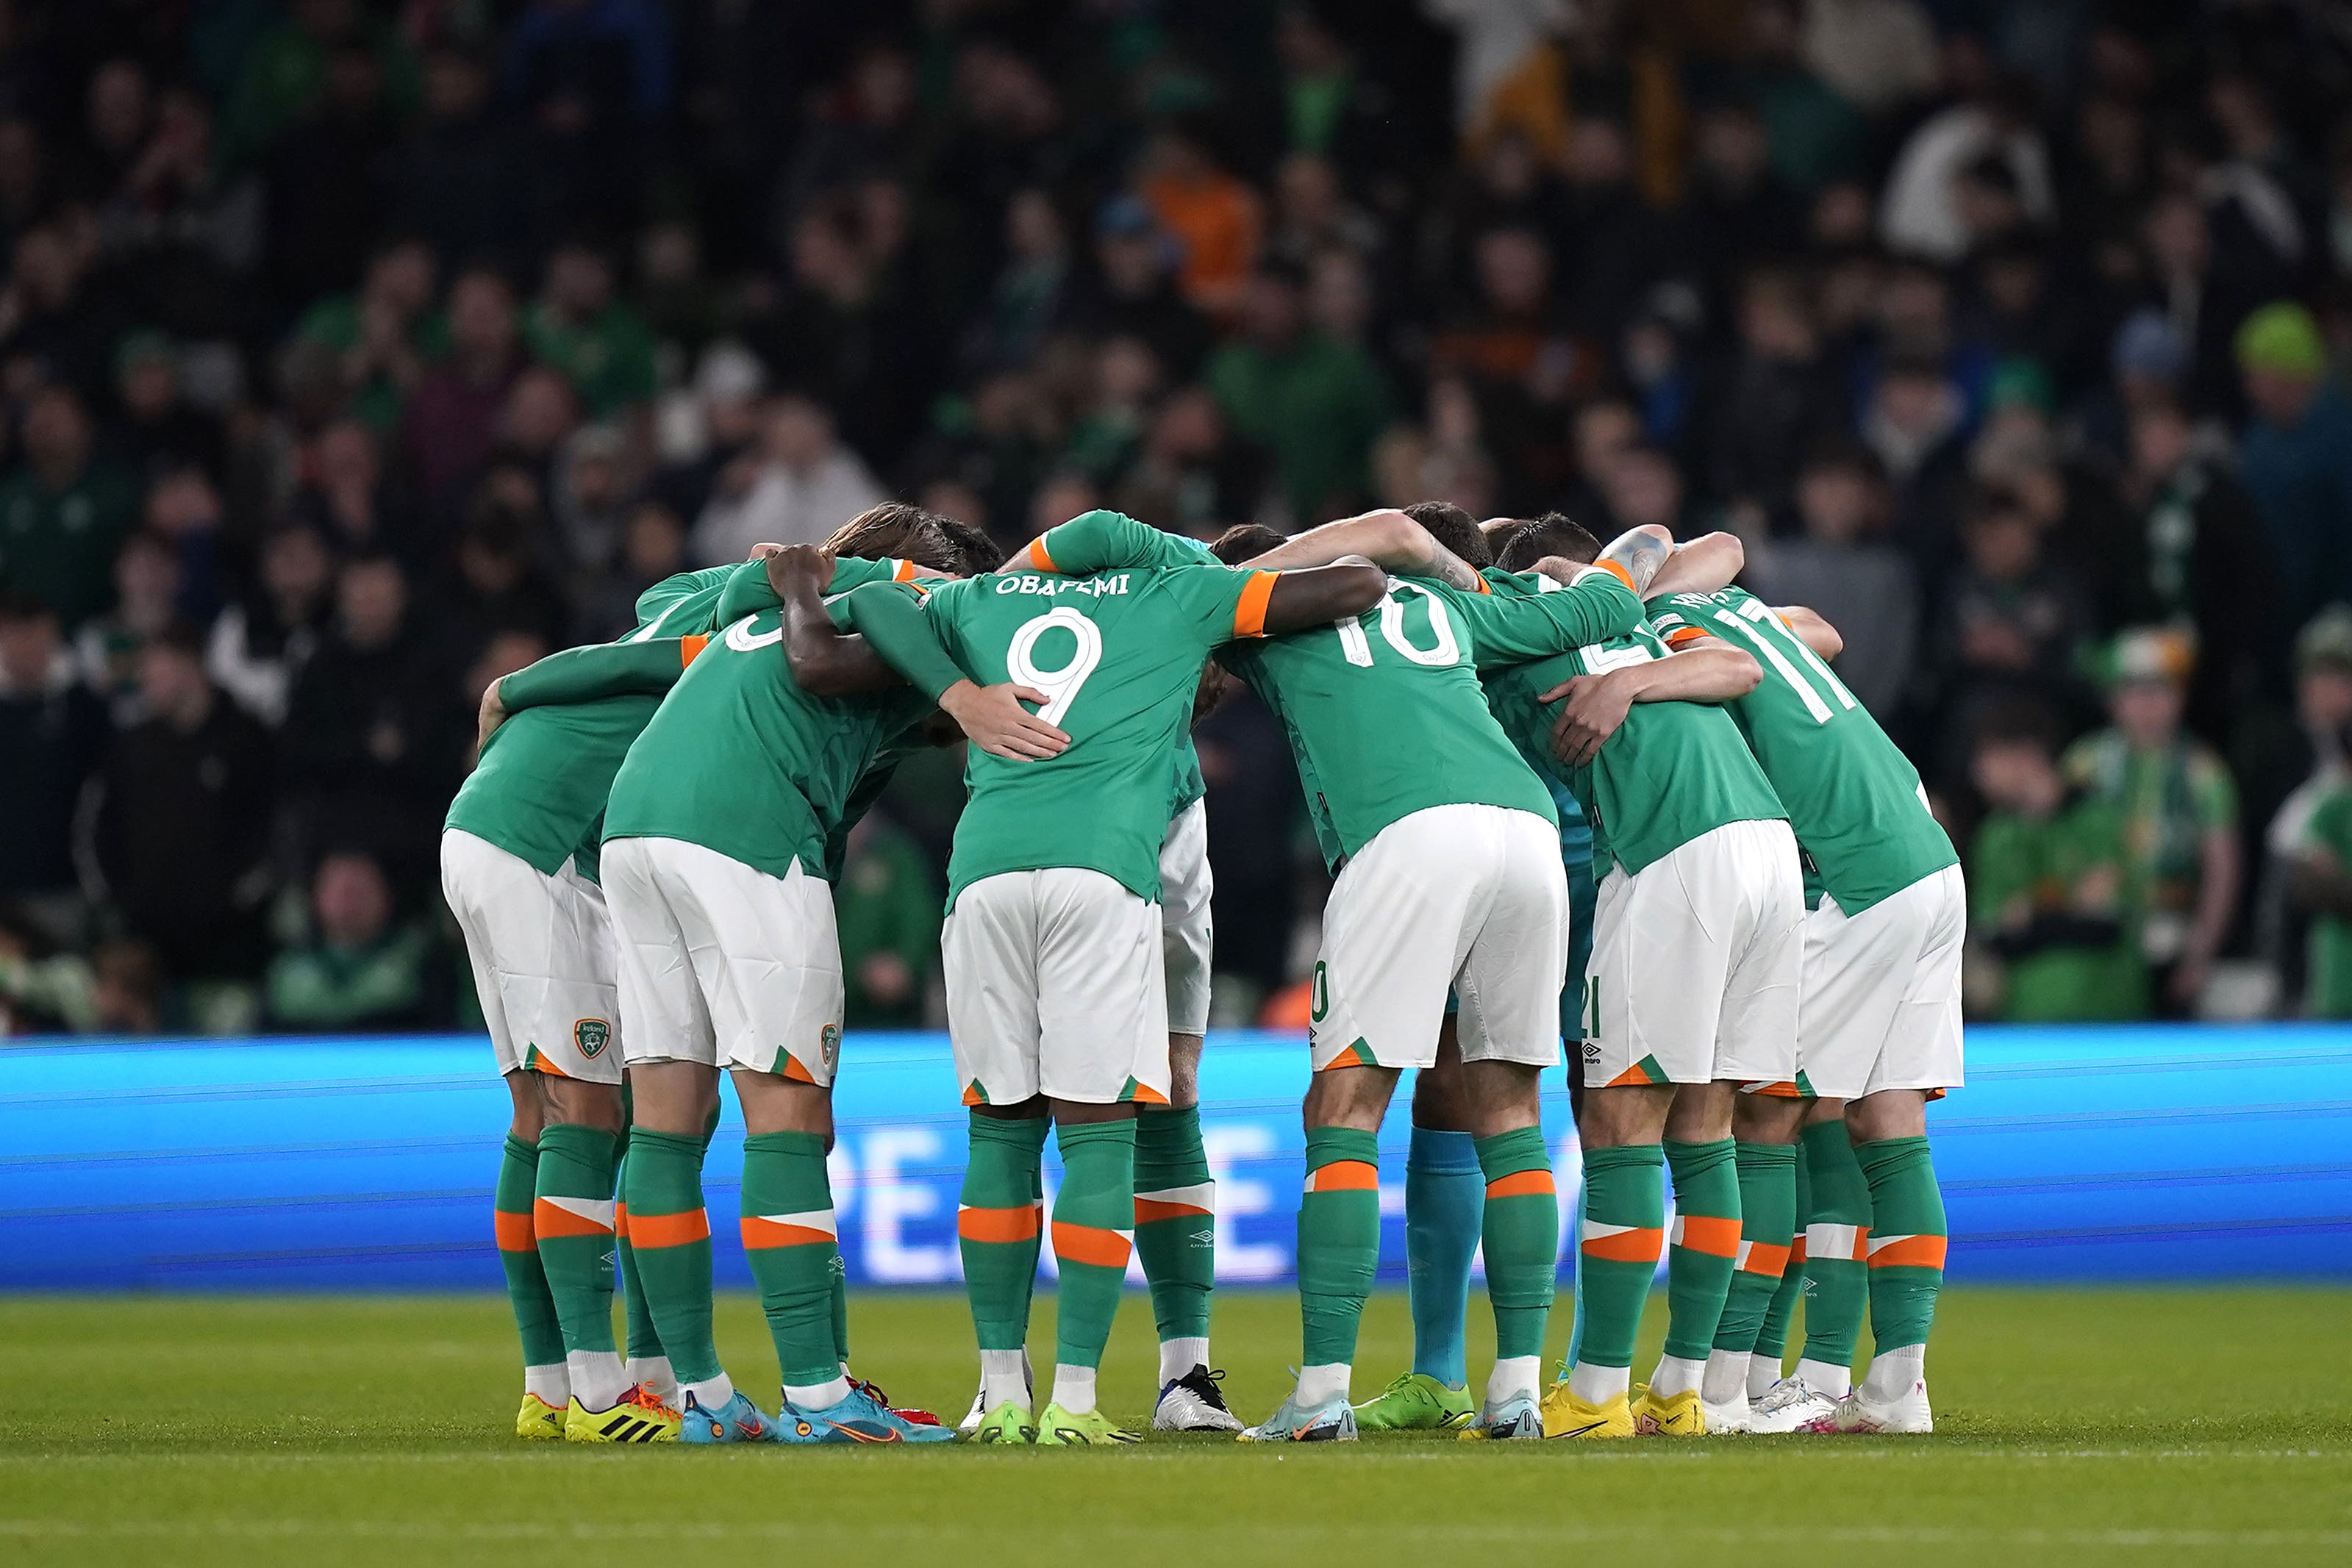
(1669, 1415)
(640, 1417)
(1565, 1416)
(539, 1418)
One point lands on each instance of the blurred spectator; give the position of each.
(886, 904)
(1762, 405)
(63, 513)
(449, 423)
(1842, 566)
(1131, 290)
(360, 970)
(2011, 627)
(1313, 405)
(1216, 219)
(118, 989)
(158, 432)
(373, 729)
(261, 642)
(2320, 880)
(146, 600)
(797, 486)
(183, 828)
(2296, 458)
(50, 731)
(343, 496)
(652, 547)
(385, 334)
(2047, 884)
(2183, 865)
(577, 327)
(462, 178)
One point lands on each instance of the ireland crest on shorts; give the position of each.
(591, 1035)
(828, 1045)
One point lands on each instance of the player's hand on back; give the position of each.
(493, 714)
(1595, 706)
(796, 569)
(993, 718)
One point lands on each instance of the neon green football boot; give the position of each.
(1056, 1427)
(1416, 1402)
(540, 1420)
(1008, 1423)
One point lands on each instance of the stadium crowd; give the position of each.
(354, 355)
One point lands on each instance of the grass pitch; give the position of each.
(2088, 1427)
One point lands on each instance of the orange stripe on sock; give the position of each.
(550, 1219)
(1766, 1259)
(1249, 615)
(1912, 1253)
(669, 1229)
(620, 1221)
(1090, 1244)
(1795, 1252)
(1626, 1246)
(1710, 1234)
(760, 1233)
(997, 1224)
(1521, 1184)
(515, 1233)
(1148, 1209)
(1345, 1176)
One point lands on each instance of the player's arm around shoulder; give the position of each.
(1311, 596)
(1104, 540)
(587, 674)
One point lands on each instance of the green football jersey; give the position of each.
(1854, 798)
(541, 785)
(1120, 655)
(1673, 772)
(1385, 713)
(739, 759)
(2330, 970)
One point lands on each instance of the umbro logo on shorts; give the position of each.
(592, 1035)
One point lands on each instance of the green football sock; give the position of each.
(637, 1318)
(1175, 1220)
(1521, 1231)
(534, 1309)
(1617, 1253)
(788, 1239)
(996, 1226)
(572, 1215)
(1773, 1337)
(1093, 1216)
(1837, 1232)
(1907, 1241)
(1339, 1240)
(840, 1306)
(671, 1234)
(1768, 1225)
(1705, 1244)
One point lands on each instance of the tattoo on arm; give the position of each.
(1641, 552)
(1452, 569)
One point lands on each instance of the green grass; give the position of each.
(2088, 1427)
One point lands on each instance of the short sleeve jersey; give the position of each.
(1853, 798)
(542, 781)
(1673, 772)
(739, 759)
(1384, 711)
(1119, 655)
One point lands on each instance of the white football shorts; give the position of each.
(1187, 935)
(1055, 986)
(1468, 897)
(1881, 1004)
(541, 947)
(1695, 963)
(723, 964)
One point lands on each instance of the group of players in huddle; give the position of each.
(1566, 791)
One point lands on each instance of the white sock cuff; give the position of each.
(1823, 1377)
(1178, 1356)
(1074, 1388)
(1318, 1383)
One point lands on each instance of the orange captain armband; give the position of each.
(1249, 615)
(690, 648)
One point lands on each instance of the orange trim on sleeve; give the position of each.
(1617, 572)
(1675, 639)
(1249, 615)
(1039, 561)
(1484, 586)
(689, 649)
(902, 571)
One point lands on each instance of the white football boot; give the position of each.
(1905, 1415)
(1193, 1403)
(1786, 1406)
